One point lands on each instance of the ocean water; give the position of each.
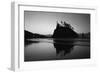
(56, 49)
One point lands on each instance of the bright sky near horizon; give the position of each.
(45, 22)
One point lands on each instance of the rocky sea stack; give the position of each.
(64, 30)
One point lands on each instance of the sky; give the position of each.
(45, 22)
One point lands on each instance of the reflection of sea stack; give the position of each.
(67, 48)
(64, 30)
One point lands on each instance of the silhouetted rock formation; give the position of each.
(64, 30)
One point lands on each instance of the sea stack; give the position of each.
(64, 30)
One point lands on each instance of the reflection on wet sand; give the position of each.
(56, 49)
(29, 42)
(63, 46)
